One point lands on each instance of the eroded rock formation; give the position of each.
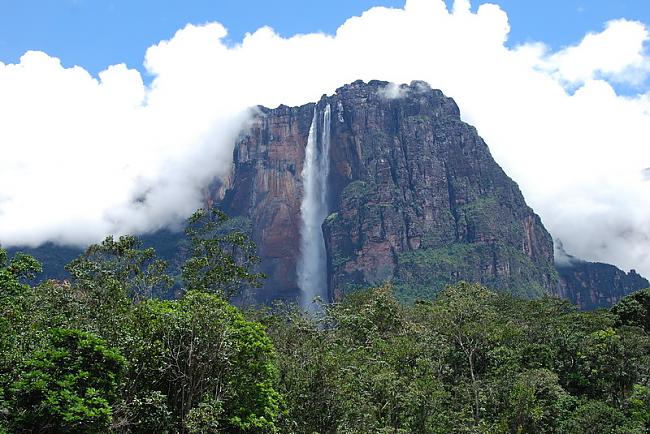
(416, 197)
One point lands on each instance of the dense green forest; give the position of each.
(110, 351)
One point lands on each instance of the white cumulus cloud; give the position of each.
(616, 54)
(82, 157)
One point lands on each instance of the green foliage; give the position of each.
(470, 361)
(205, 418)
(601, 366)
(68, 386)
(332, 218)
(468, 320)
(192, 364)
(535, 402)
(12, 313)
(339, 259)
(634, 310)
(425, 272)
(115, 269)
(105, 353)
(637, 405)
(220, 261)
(357, 190)
(147, 412)
(208, 354)
(14, 271)
(597, 417)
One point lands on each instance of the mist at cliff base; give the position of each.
(84, 156)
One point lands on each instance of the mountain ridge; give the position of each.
(383, 140)
(413, 195)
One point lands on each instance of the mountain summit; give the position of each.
(412, 194)
(384, 183)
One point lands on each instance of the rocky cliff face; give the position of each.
(414, 197)
(591, 285)
(414, 194)
(265, 188)
(420, 201)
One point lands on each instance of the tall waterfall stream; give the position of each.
(312, 265)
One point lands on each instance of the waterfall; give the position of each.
(312, 265)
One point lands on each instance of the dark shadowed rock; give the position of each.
(591, 285)
(419, 200)
(415, 196)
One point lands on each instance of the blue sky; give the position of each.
(98, 33)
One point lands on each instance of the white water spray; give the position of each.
(312, 267)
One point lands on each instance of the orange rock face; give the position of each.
(266, 187)
(409, 185)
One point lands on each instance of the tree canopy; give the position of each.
(111, 351)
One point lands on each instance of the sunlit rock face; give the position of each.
(418, 200)
(413, 195)
(399, 189)
(265, 189)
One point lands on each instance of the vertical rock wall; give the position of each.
(416, 198)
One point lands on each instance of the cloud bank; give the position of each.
(82, 157)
